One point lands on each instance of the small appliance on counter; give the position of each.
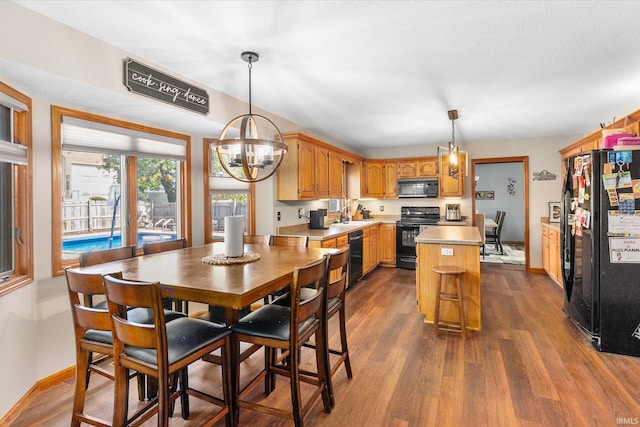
(316, 219)
(453, 212)
(366, 214)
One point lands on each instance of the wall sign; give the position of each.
(145, 81)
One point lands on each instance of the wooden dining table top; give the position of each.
(183, 275)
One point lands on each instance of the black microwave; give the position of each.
(418, 187)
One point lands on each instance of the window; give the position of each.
(115, 184)
(224, 196)
(16, 194)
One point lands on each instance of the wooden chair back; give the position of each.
(312, 275)
(107, 255)
(297, 241)
(163, 246)
(338, 262)
(80, 286)
(257, 239)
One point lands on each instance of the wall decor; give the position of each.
(146, 81)
(554, 211)
(511, 186)
(484, 195)
(544, 175)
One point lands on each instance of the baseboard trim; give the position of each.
(537, 270)
(41, 385)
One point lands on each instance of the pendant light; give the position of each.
(250, 147)
(451, 151)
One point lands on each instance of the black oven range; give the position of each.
(413, 220)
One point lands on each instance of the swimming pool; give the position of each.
(77, 245)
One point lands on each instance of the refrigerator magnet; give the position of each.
(635, 185)
(613, 197)
(609, 180)
(623, 179)
(624, 250)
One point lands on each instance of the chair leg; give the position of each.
(82, 382)
(294, 379)
(184, 395)
(436, 311)
(323, 369)
(459, 289)
(343, 341)
(164, 391)
(121, 396)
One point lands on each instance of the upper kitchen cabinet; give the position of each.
(380, 179)
(447, 185)
(418, 168)
(336, 171)
(373, 179)
(390, 170)
(304, 172)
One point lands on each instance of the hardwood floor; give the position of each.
(529, 366)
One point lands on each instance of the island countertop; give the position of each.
(451, 235)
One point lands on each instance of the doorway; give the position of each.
(522, 217)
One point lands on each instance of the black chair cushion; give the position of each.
(99, 336)
(184, 337)
(270, 321)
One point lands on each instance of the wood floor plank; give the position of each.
(529, 366)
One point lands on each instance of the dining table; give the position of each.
(183, 275)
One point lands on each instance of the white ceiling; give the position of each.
(384, 73)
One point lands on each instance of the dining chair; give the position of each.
(287, 328)
(479, 221)
(107, 255)
(291, 241)
(165, 246)
(336, 304)
(92, 333)
(257, 239)
(494, 236)
(297, 241)
(162, 350)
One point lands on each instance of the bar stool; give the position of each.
(444, 271)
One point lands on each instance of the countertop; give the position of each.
(449, 234)
(554, 225)
(335, 229)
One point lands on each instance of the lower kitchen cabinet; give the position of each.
(370, 249)
(551, 252)
(387, 247)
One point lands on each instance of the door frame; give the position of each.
(525, 180)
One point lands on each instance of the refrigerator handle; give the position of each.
(566, 240)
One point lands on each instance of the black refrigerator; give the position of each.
(600, 247)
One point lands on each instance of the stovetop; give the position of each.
(419, 214)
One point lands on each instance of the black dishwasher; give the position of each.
(355, 257)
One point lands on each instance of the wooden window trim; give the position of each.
(23, 177)
(58, 264)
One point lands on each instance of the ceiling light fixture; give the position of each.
(250, 147)
(451, 151)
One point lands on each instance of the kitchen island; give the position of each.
(457, 246)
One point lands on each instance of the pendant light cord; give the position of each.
(250, 67)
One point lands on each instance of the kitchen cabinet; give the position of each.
(449, 186)
(387, 247)
(335, 174)
(418, 168)
(373, 179)
(369, 249)
(551, 261)
(304, 172)
(336, 242)
(390, 179)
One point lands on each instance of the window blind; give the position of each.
(84, 135)
(13, 153)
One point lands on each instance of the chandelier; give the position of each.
(451, 151)
(250, 147)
